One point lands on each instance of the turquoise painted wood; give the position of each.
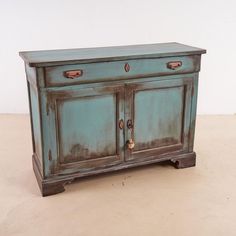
(107, 71)
(73, 56)
(35, 122)
(160, 111)
(81, 117)
(82, 123)
(163, 112)
(120, 107)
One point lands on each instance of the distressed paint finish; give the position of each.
(160, 111)
(158, 116)
(85, 121)
(107, 54)
(193, 112)
(34, 107)
(76, 128)
(116, 70)
(36, 123)
(81, 117)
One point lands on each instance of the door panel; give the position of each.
(160, 113)
(87, 127)
(158, 117)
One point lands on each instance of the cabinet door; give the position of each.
(157, 118)
(86, 122)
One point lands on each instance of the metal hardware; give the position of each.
(121, 124)
(72, 74)
(130, 124)
(173, 65)
(127, 67)
(130, 144)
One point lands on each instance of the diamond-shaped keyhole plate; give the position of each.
(127, 67)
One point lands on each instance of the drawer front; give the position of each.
(107, 71)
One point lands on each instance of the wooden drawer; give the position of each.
(106, 71)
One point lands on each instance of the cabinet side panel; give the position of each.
(193, 112)
(36, 127)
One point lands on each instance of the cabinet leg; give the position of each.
(187, 160)
(49, 187)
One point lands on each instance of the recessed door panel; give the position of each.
(158, 116)
(87, 128)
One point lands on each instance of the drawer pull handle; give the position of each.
(130, 144)
(72, 74)
(173, 65)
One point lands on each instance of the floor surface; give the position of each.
(153, 200)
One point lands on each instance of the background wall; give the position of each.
(44, 24)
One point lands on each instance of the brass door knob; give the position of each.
(121, 123)
(130, 143)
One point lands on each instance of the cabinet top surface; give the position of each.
(84, 55)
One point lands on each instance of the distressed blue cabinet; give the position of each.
(103, 109)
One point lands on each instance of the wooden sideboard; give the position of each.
(95, 110)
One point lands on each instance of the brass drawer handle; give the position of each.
(72, 74)
(173, 65)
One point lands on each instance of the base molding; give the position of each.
(56, 183)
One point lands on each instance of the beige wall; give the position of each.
(33, 25)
